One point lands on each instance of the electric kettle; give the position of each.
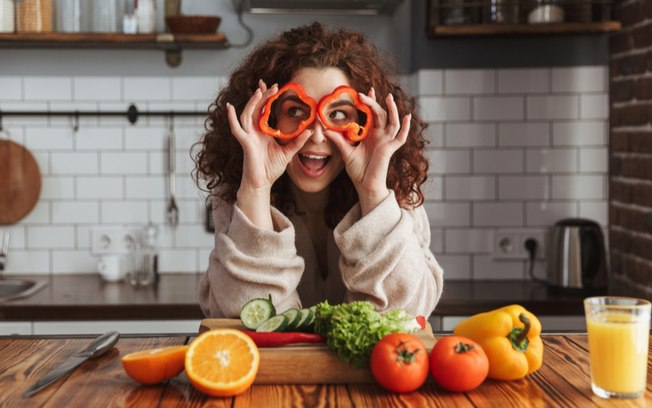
(577, 258)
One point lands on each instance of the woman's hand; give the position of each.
(265, 160)
(367, 163)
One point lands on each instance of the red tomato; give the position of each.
(399, 362)
(458, 363)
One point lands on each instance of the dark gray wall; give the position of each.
(502, 51)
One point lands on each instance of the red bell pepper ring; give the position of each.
(278, 339)
(263, 122)
(352, 130)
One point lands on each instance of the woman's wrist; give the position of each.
(255, 204)
(369, 200)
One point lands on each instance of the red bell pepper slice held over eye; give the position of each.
(278, 339)
(263, 122)
(352, 130)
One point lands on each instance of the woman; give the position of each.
(317, 216)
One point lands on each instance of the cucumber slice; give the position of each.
(306, 315)
(277, 323)
(309, 324)
(293, 316)
(256, 311)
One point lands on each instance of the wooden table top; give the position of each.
(562, 381)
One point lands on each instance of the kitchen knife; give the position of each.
(98, 347)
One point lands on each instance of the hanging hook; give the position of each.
(75, 123)
(171, 122)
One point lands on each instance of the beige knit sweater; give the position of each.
(383, 258)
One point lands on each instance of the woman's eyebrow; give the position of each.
(340, 102)
(293, 98)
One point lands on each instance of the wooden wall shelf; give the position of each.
(524, 29)
(172, 44)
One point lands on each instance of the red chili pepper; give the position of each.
(422, 321)
(277, 339)
(263, 122)
(352, 130)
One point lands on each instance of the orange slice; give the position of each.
(222, 362)
(156, 365)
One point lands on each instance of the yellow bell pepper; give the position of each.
(510, 336)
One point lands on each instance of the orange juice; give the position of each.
(618, 344)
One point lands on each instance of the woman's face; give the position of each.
(318, 162)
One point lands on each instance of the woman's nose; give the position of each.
(318, 132)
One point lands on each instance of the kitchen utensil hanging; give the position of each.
(172, 209)
(20, 180)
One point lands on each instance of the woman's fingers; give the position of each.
(394, 120)
(266, 95)
(236, 129)
(246, 118)
(380, 121)
(402, 136)
(262, 85)
(295, 144)
(343, 145)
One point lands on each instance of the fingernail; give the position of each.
(275, 85)
(391, 96)
(258, 91)
(228, 105)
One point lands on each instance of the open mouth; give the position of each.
(313, 162)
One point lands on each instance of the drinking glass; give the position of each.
(618, 330)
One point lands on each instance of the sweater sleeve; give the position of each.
(249, 262)
(386, 258)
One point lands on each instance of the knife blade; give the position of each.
(98, 347)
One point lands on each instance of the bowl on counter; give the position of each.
(193, 24)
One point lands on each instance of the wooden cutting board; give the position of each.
(20, 182)
(306, 363)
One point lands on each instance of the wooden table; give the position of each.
(562, 381)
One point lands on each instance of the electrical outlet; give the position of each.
(510, 244)
(110, 240)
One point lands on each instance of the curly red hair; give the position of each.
(220, 157)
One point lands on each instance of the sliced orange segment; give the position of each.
(156, 365)
(222, 362)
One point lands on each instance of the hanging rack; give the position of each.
(132, 113)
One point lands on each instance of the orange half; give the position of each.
(222, 362)
(156, 365)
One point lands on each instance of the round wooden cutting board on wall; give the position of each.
(20, 182)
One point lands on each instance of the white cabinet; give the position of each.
(548, 323)
(100, 326)
(121, 326)
(13, 328)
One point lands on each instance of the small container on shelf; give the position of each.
(501, 12)
(459, 12)
(7, 24)
(67, 16)
(34, 16)
(544, 12)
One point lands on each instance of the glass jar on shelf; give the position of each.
(67, 16)
(34, 16)
(501, 12)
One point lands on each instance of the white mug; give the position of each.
(111, 267)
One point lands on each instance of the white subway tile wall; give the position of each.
(509, 149)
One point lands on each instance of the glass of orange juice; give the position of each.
(618, 330)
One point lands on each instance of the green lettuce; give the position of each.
(352, 329)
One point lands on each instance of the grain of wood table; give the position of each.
(562, 381)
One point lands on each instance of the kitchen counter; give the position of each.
(562, 381)
(87, 297)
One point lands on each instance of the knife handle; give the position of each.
(102, 344)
